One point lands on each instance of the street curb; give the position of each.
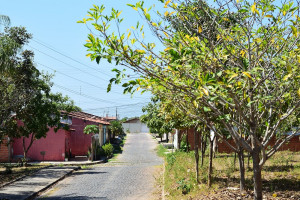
(163, 174)
(22, 177)
(38, 193)
(51, 165)
(163, 187)
(80, 164)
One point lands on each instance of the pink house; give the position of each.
(73, 141)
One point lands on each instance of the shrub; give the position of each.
(184, 186)
(108, 149)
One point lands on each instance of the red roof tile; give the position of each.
(88, 117)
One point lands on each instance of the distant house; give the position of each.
(55, 146)
(134, 125)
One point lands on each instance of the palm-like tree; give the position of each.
(4, 20)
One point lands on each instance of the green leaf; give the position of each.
(294, 30)
(148, 16)
(206, 109)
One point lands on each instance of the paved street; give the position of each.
(130, 176)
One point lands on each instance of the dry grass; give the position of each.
(281, 177)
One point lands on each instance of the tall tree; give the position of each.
(241, 75)
(25, 92)
(17, 76)
(155, 120)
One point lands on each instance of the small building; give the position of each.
(134, 125)
(57, 145)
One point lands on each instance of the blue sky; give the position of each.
(58, 45)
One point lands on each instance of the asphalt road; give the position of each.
(130, 176)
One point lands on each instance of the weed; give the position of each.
(184, 186)
(171, 158)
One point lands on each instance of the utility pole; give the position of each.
(116, 113)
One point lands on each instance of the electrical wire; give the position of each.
(81, 94)
(51, 48)
(98, 77)
(125, 105)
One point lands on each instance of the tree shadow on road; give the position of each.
(71, 197)
(84, 172)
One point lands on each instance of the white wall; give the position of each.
(135, 127)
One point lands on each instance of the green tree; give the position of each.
(155, 120)
(17, 76)
(116, 128)
(25, 92)
(4, 20)
(238, 73)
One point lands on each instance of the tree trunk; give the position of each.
(25, 150)
(248, 162)
(187, 141)
(257, 175)
(215, 146)
(242, 169)
(234, 160)
(92, 151)
(167, 136)
(203, 148)
(210, 162)
(196, 143)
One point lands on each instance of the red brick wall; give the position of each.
(292, 145)
(225, 148)
(190, 136)
(4, 151)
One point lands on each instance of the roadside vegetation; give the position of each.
(281, 177)
(228, 70)
(28, 107)
(117, 147)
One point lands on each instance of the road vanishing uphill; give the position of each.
(130, 176)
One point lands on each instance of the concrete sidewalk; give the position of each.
(66, 163)
(31, 186)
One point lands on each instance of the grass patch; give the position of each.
(281, 176)
(85, 166)
(161, 150)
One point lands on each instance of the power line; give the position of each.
(125, 105)
(81, 94)
(79, 79)
(67, 64)
(71, 76)
(44, 44)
